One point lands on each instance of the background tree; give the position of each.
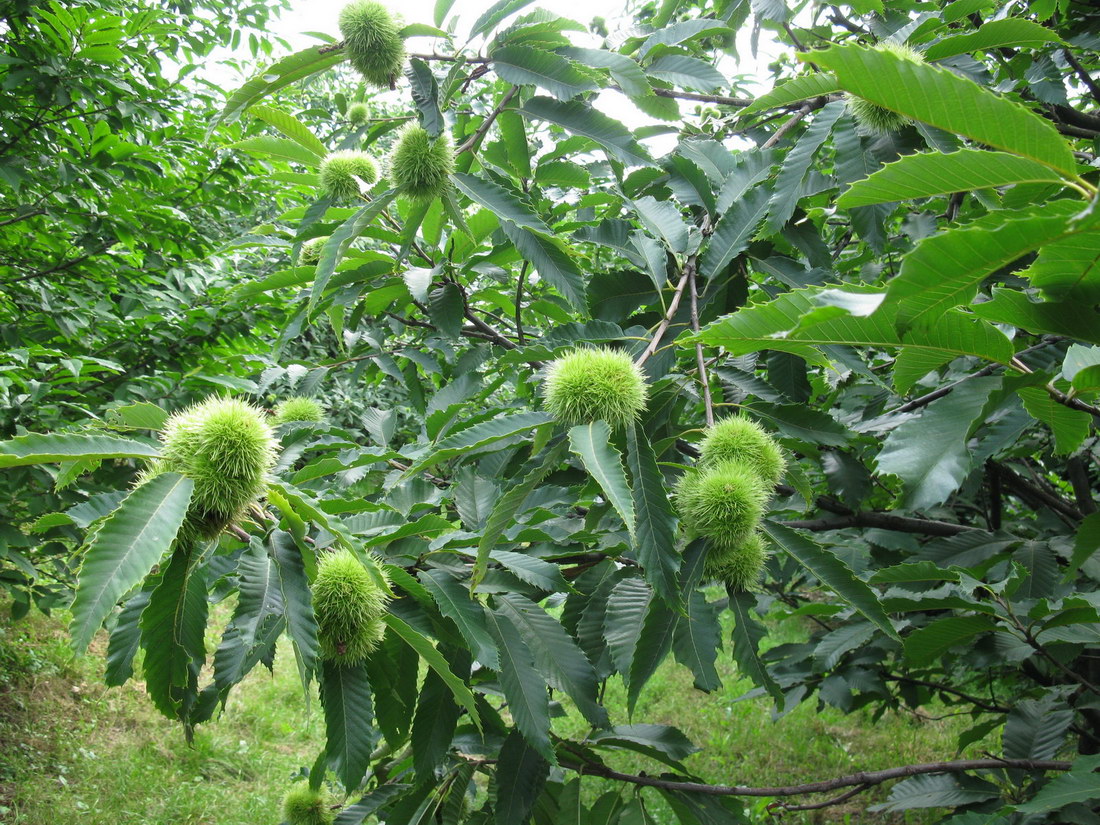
(888, 261)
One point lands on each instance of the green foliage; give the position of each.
(420, 166)
(348, 603)
(600, 384)
(372, 42)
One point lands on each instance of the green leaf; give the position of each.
(626, 610)
(551, 259)
(734, 230)
(338, 243)
(1070, 427)
(1068, 268)
(624, 69)
(687, 73)
(536, 572)
(172, 629)
(663, 220)
(425, 94)
(662, 742)
(945, 270)
(524, 688)
(1085, 543)
(652, 646)
(683, 32)
(433, 726)
(1010, 31)
(747, 635)
(581, 119)
(927, 644)
(124, 548)
(291, 127)
(456, 603)
(1036, 729)
(518, 781)
(125, 640)
(280, 148)
(505, 510)
(345, 696)
(655, 536)
(142, 416)
(926, 174)
(297, 599)
(48, 448)
(592, 442)
(503, 202)
(492, 16)
(1079, 785)
(434, 659)
(1072, 318)
(937, 791)
(528, 66)
(947, 101)
(796, 166)
(797, 90)
(478, 436)
(279, 75)
(929, 453)
(832, 572)
(556, 655)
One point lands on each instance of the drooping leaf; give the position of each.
(291, 127)
(502, 202)
(455, 603)
(551, 261)
(124, 548)
(518, 781)
(592, 443)
(1010, 31)
(581, 119)
(524, 687)
(655, 520)
(806, 87)
(528, 66)
(51, 448)
(345, 696)
(1079, 785)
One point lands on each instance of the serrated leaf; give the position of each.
(734, 230)
(1079, 785)
(125, 640)
(518, 781)
(592, 443)
(555, 654)
(478, 436)
(947, 101)
(927, 644)
(581, 119)
(503, 202)
(48, 448)
(524, 688)
(832, 572)
(1070, 427)
(433, 726)
(747, 634)
(1009, 31)
(291, 127)
(280, 148)
(492, 16)
(345, 696)
(454, 602)
(663, 219)
(936, 791)
(683, 32)
(552, 261)
(926, 174)
(536, 572)
(655, 536)
(434, 659)
(528, 66)
(1036, 729)
(687, 73)
(797, 90)
(625, 613)
(425, 94)
(624, 69)
(124, 548)
(297, 599)
(275, 77)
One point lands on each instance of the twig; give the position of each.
(1086, 78)
(519, 302)
(471, 142)
(704, 382)
(814, 806)
(786, 127)
(674, 305)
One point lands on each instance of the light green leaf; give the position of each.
(832, 572)
(624, 69)
(291, 127)
(425, 94)
(142, 416)
(50, 448)
(277, 76)
(280, 148)
(434, 659)
(478, 436)
(1011, 306)
(802, 88)
(1009, 31)
(683, 32)
(124, 548)
(947, 101)
(1070, 427)
(496, 13)
(592, 442)
(502, 202)
(528, 66)
(926, 174)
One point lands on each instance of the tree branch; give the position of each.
(1086, 78)
(672, 307)
(786, 127)
(882, 521)
(471, 142)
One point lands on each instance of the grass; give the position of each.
(76, 752)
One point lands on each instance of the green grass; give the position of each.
(75, 751)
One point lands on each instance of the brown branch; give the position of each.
(882, 521)
(23, 217)
(867, 778)
(704, 383)
(1086, 78)
(974, 700)
(1033, 494)
(786, 127)
(663, 326)
(721, 100)
(471, 142)
(519, 302)
(815, 806)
